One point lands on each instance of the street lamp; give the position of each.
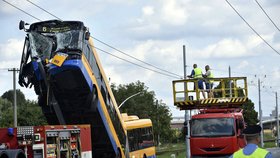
(129, 98)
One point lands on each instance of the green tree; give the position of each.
(9, 95)
(145, 105)
(29, 113)
(5, 108)
(249, 113)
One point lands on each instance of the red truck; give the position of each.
(49, 141)
(216, 131)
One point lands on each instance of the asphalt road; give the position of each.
(275, 152)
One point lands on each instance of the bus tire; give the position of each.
(144, 156)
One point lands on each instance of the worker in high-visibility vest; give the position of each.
(251, 150)
(208, 82)
(197, 74)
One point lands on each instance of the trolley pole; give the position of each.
(260, 112)
(187, 117)
(14, 70)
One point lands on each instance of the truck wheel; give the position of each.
(3, 154)
(15, 153)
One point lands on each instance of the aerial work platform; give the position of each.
(226, 93)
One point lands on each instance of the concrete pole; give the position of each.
(187, 117)
(229, 74)
(277, 120)
(158, 136)
(260, 112)
(15, 95)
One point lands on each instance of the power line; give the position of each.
(252, 27)
(5, 69)
(267, 15)
(110, 45)
(99, 48)
(135, 63)
(43, 9)
(135, 58)
(22, 10)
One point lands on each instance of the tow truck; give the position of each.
(216, 130)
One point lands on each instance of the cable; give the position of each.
(135, 58)
(252, 27)
(22, 10)
(110, 45)
(267, 15)
(135, 63)
(249, 74)
(6, 69)
(99, 40)
(43, 9)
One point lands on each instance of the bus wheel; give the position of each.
(145, 156)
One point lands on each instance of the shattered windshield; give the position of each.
(69, 40)
(212, 127)
(42, 45)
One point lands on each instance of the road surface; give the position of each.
(275, 152)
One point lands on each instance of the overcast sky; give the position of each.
(155, 32)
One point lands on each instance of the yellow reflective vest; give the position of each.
(210, 76)
(258, 153)
(197, 73)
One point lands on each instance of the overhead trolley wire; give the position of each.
(43, 9)
(22, 10)
(111, 46)
(4, 69)
(135, 58)
(173, 76)
(267, 15)
(136, 64)
(251, 27)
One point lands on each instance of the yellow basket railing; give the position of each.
(225, 91)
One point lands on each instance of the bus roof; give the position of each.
(52, 26)
(129, 117)
(140, 123)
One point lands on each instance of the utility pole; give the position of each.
(260, 112)
(229, 74)
(277, 120)
(158, 137)
(14, 70)
(187, 117)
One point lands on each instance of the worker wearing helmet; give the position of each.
(252, 135)
(209, 83)
(197, 74)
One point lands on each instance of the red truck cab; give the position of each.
(216, 132)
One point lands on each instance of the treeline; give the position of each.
(145, 105)
(28, 112)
